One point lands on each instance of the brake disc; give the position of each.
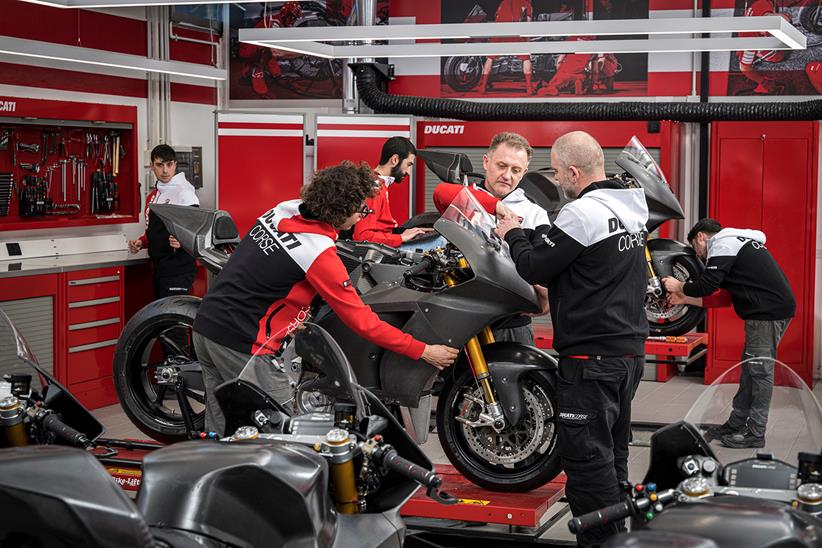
(514, 443)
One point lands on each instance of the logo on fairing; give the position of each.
(445, 129)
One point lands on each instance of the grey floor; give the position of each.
(655, 402)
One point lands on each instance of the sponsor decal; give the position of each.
(475, 502)
(445, 129)
(8, 106)
(547, 240)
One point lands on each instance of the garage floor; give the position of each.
(655, 402)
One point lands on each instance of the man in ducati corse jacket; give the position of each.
(739, 262)
(593, 263)
(505, 165)
(265, 290)
(173, 269)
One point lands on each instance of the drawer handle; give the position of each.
(89, 281)
(98, 323)
(92, 346)
(94, 302)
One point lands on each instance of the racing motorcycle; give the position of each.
(496, 412)
(759, 498)
(465, 73)
(666, 257)
(322, 479)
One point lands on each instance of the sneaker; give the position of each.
(743, 439)
(718, 432)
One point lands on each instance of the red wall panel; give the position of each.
(360, 139)
(764, 178)
(258, 166)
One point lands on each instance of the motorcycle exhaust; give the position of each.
(11, 421)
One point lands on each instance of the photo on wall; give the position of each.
(258, 73)
(779, 72)
(543, 75)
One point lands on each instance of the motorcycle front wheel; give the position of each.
(521, 457)
(675, 320)
(154, 349)
(462, 73)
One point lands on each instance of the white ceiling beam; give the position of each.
(88, 56)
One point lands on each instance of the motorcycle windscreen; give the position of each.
(793, 416)
(662, 203)
(18, 362)
(544, 192)
(471, 229)
(448, 166)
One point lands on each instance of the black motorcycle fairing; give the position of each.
(74, 502)
(547, 195)
(655, 539)
(733, 521)
(662, 202)
(507, 363)
(242, 496)
(239, 400)
(200, 231)
(448, 166)
(664, 251)
(667, 445)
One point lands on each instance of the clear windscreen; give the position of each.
(466, 212)
(794, 417)
(17, 360)
(636, 153)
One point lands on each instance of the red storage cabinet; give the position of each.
(763, 176)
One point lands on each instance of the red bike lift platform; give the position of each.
(522, 517)
(669, 354)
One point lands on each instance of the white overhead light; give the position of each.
(664, 35)
(88, 56)
(129, 3)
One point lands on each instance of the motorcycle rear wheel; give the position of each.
(533, 453)
(675, 320)
(144, 349)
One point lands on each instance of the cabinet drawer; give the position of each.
(95, 393)
(95, 312)
(92, 332)
(97, 287)
(92, 361)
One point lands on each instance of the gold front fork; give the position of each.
(651, 273)
(475, 356)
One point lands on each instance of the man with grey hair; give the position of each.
(505, 165)
(593, 262)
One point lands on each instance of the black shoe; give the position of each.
(718, 432)
(743, 439)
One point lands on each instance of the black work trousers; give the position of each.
(166, 285)
(594, 428)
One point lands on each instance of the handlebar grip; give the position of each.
(393, 461)
(419, 268)
(53, 424)
(603, 516)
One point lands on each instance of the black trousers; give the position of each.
(174, 284)
(594, 428)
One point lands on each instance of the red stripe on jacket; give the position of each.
(378, 226)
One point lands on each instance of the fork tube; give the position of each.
(475, 356)
(651, 273)
(486, 336)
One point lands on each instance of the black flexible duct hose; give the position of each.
(384, 103)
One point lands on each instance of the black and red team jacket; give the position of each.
(267, 286)
(378, 226)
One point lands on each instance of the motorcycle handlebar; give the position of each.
(423, 266)
(53, 424)
(393, 461)
(603, 516)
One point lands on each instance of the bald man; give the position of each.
(593, 262)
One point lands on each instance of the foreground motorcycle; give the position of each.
(496, 413)
(666, 257)
(699, 493)
(322, 479)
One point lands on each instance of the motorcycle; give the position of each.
(666, 257)
(496, 411)
(322, 479)
(764, 497)
(465, 73)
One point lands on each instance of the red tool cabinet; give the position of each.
(764, 177)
